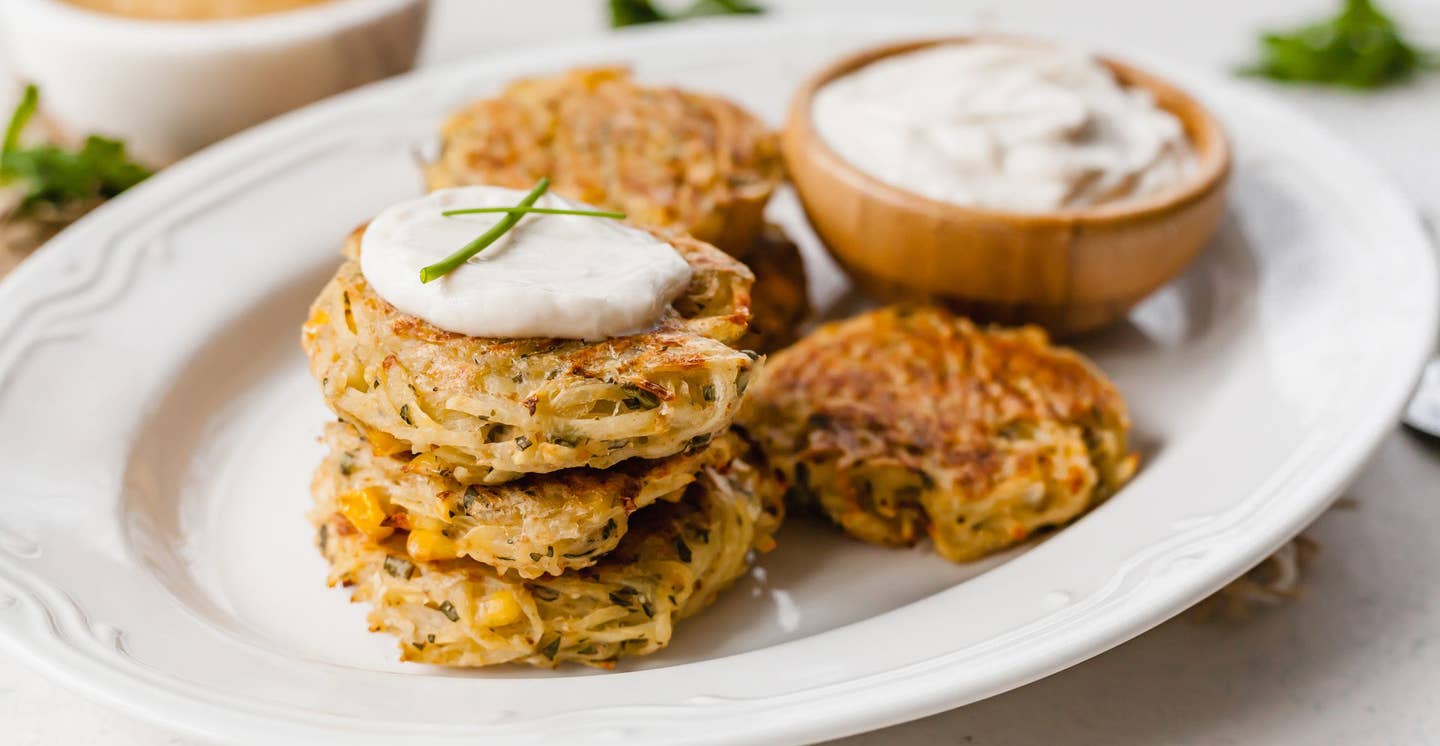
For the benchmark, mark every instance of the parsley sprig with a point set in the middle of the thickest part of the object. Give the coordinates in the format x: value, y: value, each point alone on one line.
x: 52, y: 175
x: 636, y: 12
x: 1359, y: 48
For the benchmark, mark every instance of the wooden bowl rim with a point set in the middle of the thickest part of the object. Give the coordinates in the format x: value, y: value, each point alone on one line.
x: 1212, y: 146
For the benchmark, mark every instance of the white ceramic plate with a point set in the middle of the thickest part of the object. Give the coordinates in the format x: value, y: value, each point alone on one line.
x: 157, y: 434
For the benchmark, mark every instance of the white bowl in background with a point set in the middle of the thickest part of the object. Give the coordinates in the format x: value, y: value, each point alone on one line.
x: 169, y: 88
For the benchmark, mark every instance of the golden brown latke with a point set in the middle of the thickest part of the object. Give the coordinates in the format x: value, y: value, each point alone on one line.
x: 494, y: 409
x: 686, y: 162
x: 779, y: 300
x: 675, y: 560
x: 902, y: 420
x: 536, y: 525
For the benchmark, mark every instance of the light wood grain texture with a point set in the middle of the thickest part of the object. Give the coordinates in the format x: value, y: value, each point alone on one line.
x: 1070, y: 271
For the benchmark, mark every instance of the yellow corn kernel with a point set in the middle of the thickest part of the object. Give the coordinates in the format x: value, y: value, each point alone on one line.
x: 363, y: 509
x: 384, y: 444
x: 318, y: 319
x: 424, y: 545
x: 499, y: 609
x: 427, y: 464
x: 321, y: 317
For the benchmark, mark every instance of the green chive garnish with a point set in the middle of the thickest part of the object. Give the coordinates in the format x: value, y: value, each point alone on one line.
x: 535, y: 211
x: 450, y: 263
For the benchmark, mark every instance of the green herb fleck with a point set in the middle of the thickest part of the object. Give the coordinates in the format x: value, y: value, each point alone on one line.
x: 543, y: 593
x: 1359, y: 48
x: 608, y: 529
x: 682, y: 549
x: 467, y: 500
x: 523, y: 443
x: 347, y: 463
x: 708, y: 392
x: 448, y: 609
x: 550, y: 650
x: 405, y: 414
x: 639, y: 398
x: 399, y: 567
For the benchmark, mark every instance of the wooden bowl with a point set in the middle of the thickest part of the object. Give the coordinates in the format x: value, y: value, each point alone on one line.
x: 1071, y: 271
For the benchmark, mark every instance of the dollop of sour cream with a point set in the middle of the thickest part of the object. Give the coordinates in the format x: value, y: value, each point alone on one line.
x: 565, y: 276
x: 1003, y: 125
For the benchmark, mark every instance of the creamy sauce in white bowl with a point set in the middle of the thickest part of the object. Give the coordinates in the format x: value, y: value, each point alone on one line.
x: 565, y: 276
x: 1003, y: 125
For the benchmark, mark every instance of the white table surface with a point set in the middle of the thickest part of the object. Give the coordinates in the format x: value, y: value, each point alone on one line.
x: 1356, y: 661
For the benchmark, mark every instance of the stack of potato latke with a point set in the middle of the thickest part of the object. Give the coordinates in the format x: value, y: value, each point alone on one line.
x: 537, y: 500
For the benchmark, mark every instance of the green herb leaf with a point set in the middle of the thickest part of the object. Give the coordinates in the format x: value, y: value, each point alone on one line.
x: 54, y: 175
x: 29, y: 102
x: 722, y: 8
x: 636, y: 12
x: 448, y: 609
x: 450, y: 263
x: 1359, y: 48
